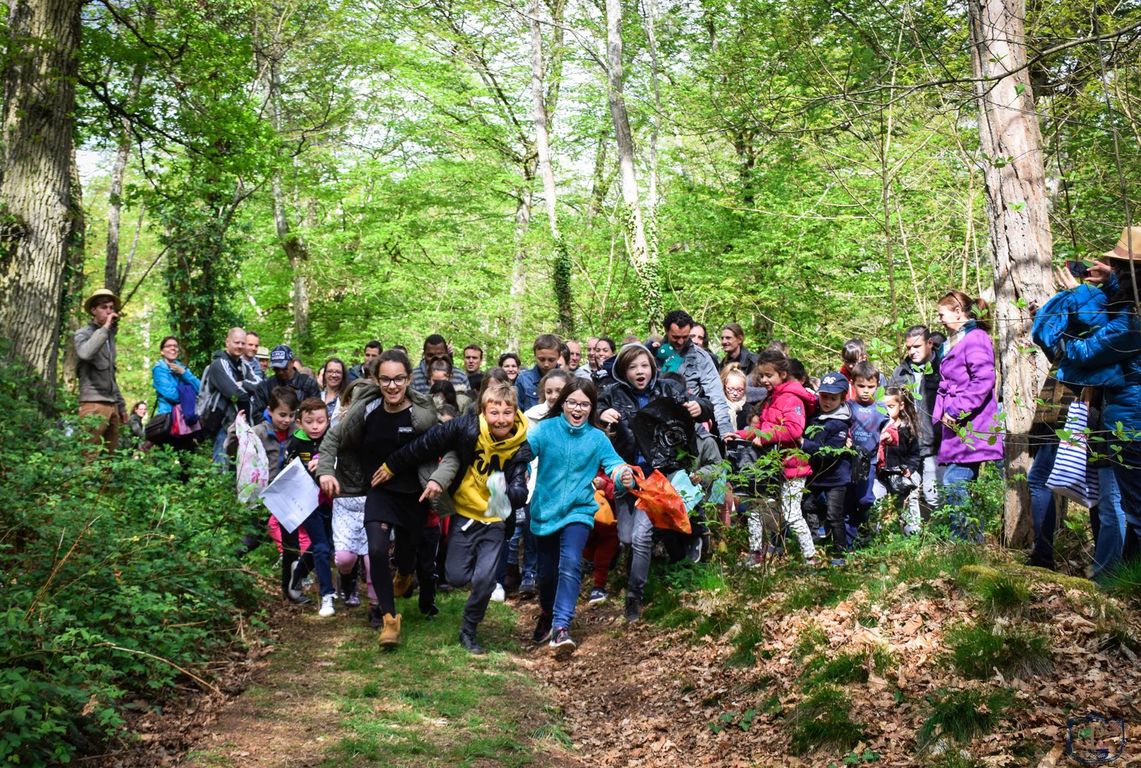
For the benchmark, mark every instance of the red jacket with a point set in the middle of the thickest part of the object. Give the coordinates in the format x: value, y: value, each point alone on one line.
x: 783, y: 415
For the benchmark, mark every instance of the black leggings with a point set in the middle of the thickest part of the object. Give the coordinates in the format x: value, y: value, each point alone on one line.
x: 378, y: 538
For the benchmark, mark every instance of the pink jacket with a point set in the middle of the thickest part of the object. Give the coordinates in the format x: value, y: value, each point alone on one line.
x: 783, y: 415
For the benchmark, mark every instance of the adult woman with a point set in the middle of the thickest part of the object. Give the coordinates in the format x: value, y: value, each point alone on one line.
x: 334, y: 382
x: 510, y: 362
x: 173, y: 382
x: 636, y: 385
x: 137, y: 421
x: 563, y: 505
x: 1114, y: 351
x: 965, y: 407
x: 385, y: 416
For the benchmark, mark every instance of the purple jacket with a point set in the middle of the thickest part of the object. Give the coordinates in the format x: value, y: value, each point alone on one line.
x: 966, y: 392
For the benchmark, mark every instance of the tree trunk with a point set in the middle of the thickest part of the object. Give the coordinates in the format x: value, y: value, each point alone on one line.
x: 562, y: 268
x: 641, y: 258
x: 519, y: 265
x: 71, y: 315
x: 35, y: 191
x: 1016, y: 207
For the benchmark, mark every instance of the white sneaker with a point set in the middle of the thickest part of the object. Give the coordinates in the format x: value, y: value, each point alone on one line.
x: 498, y: 595
x: 326, y: 606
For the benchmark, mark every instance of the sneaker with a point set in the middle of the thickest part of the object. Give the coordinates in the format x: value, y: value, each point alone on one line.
x: 353, y: 599
x: 910, y: 530
x: 633, y: 608
x: 839, y: 562
x: 468, y: 641
x: 300, y: 599
x: 528, y: 587
x: 693, y: 551
x: 327, y: 609
x: 498, y: 595
x: 562, y: 643
x: 810, y: 562
x: 374, y: 618
x: 597, y: 595
x: 542, y: 628
x: 296, y: 585
x: 755, y: 559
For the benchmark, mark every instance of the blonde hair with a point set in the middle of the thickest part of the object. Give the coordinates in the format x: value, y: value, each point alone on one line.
x: 497, y: 392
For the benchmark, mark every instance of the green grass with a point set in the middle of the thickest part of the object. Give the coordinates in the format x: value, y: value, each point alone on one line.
x: 844, y: 668
x: 1001, y: 592
x: 977, y: 650
x: 960, y: 715
x: 823, y: 719
x: 745, y: 644
x: 1125, y: 581
x: 827, y: 587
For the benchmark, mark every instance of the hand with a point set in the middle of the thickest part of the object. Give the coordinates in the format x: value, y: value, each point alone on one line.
x: 431, y: 490
x: 885, y: 437
x: 381, y: 476
x: 626, y: 478
x: 599, y: 483
x: 1064, y: 279
x: 610, y: 416
x: 848, y: 442
x: 731, y: 437
x: 948, y: 422
x: 329, y: 485
x: 693, y: 408
x: 1098, y: 272
x: 111, y: 320
x: 312, y: 465
x: 906, y: 472
x: 176, y: 369
x: 757, y: 441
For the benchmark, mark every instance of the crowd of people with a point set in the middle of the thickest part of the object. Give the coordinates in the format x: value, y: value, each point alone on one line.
x: 515, y: 480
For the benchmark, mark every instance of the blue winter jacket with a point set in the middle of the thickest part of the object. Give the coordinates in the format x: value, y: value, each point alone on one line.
x: 825, y: 441
x: 1075, y: 314
x: 166, y: 385
x: 1114, y: 347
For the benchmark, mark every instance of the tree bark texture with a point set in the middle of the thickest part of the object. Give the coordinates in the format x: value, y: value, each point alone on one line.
x: 36, y: 214
x: 561, y: 268
x: 1017, y: 209
x: 644, y: 262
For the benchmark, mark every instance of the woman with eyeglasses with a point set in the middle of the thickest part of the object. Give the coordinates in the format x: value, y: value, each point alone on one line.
x: 173, y: 382
x: 386, y: 415
x: 570, y: 450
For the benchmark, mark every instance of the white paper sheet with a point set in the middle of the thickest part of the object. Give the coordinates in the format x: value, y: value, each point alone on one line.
x: 292, y: 496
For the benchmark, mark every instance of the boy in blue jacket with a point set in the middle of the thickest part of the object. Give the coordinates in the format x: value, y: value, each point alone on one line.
x: 828, y: 445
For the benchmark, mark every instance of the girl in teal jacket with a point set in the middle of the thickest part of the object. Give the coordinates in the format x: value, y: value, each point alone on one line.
x: 570, y: 449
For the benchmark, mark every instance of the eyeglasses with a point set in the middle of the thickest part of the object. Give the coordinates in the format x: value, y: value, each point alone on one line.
x: 576, y: 405
x: 738, y: 390
x: 399, y: 381
x: 170, y: 345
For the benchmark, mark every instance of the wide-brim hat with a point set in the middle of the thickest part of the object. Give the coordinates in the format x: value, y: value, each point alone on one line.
x: 1128, y: 248
x: 101, y: 295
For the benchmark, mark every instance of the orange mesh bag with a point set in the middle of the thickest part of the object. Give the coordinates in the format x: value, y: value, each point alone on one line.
x: 661, y: 503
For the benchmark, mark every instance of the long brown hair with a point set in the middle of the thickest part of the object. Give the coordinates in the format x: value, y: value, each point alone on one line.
x: 976, y: 309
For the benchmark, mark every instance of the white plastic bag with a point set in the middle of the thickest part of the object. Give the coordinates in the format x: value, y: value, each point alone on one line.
x: 253, y: 464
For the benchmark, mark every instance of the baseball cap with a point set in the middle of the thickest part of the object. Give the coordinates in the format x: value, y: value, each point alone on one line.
x: 280, y: 356
x: 834, y: 383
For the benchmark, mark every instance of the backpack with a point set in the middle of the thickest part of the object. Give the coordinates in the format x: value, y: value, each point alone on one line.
x: 209, y: 405
x: 665, y: 435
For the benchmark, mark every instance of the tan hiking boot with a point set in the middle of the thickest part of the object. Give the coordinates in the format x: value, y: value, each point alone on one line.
x: 401, y: 583
x: 390, y: 632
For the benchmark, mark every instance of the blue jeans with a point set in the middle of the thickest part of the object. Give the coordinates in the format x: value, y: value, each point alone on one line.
x: 560, y: 571
x: 1042, y: 509
x: 957, y: 497
x: 1111, y: 531
x: 1128, y: 475
x: 219, y: 452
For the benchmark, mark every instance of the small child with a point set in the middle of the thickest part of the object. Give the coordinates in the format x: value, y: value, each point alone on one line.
x: 870, y: 430
x: 826, y: 441
x: 900, y: 472
x: 305, y: 444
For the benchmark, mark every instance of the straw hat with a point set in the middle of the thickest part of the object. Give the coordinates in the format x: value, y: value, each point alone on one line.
x: 105, y: 293
x: 1129, y: 236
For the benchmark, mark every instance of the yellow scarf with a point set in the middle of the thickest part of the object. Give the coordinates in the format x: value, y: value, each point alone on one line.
x: 490, y: 456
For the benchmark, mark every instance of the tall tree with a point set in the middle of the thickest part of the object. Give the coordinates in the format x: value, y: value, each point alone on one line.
x: 1018, y: 210
x: 36, y: 187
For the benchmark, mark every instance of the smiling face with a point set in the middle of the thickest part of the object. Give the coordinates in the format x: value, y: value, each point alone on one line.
x: 768, y: 376
x: 334, y: 375
x: 281, y: 417
x: 917, y: 348
x: 500, y: 419
x: 511, y: 367
x: 251, y: 345
x: 576, y: 408
x: 169, y: 350
x: 602, y: 351
x: 729, y: 342
x: 393, y: 380
x: 141, y: 410
x: 640, y: 372
x: 552, y: 389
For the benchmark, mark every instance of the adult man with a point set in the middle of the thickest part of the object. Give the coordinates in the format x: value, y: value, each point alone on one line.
x: 546, y: 349
x: 733, y: 345
x: 473, y: 361
x: 436, y: 346
x: 574, y: 360
x: 372, y: 350
x: 285, y: 374
x: 230, y: 387
x: 95, y: 347
x: 591, y: 358
x: 699, y: 369
x: 919, y: 372
x: 250, y: 356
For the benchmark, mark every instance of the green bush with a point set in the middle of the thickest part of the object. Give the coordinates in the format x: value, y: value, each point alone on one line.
x: 978, y: 650
x: 116, y: 573
x: 960, y: 715
x: 822, y: 718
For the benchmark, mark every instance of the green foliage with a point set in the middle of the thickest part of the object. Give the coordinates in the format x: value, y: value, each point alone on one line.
x: 962, y: 714
x: 1125, y: 581
x: 979, y: 649
x: 1001, y: 592
x: 845, y: 667
x: 822, y: 718
x: 116, y: 573
x: 825, y: 587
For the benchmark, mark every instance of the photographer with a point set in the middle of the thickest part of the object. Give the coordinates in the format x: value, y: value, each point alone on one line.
x: 95, y: 347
